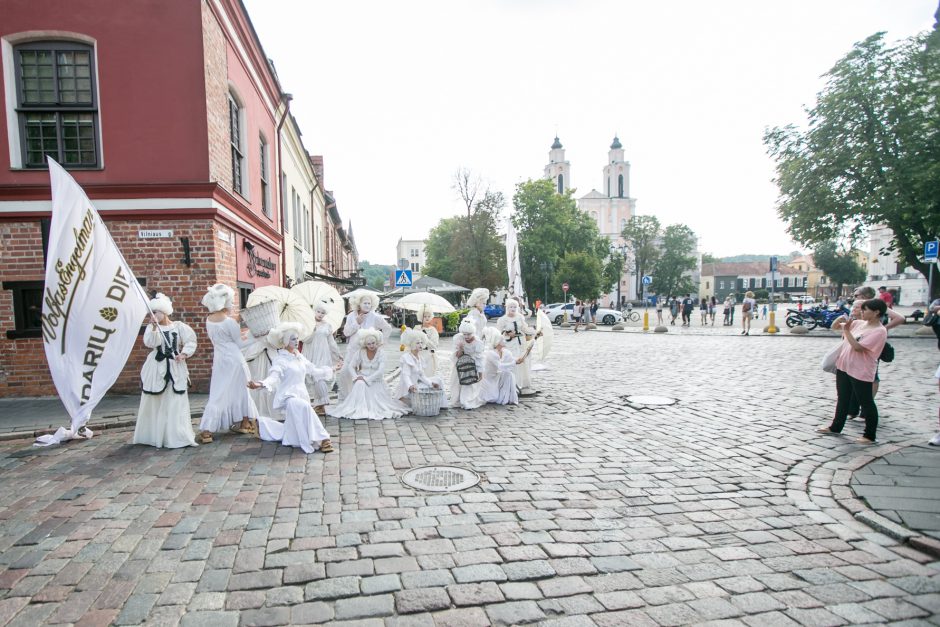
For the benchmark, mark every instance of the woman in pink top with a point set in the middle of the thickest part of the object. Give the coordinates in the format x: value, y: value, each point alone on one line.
x: 863, y: 341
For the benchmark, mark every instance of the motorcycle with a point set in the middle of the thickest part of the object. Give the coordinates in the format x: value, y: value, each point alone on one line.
x: 814, y: 316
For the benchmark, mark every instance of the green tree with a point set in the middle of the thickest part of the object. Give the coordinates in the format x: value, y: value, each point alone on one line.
x: 583, y: 273
x: 549, y: 227
x: 375, y: 274
x: 439, y: 258
x: 840, y: 266
x: 677, y: 258
x: 871, y: 152
x: 642, y: 234
x: 710, y: 258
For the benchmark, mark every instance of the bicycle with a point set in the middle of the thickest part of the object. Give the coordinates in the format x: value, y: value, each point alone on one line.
x: 630, y: 314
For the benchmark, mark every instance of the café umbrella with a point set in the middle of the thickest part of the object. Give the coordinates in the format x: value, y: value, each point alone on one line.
x: 292, y: 306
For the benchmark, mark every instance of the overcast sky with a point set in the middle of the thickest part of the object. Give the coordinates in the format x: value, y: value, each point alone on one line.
x: 398, y: 95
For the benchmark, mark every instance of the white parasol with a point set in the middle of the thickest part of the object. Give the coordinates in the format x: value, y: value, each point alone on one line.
x: 420, y: 300
x: 359, y: 292
x: 315, y: 292
x: 293, y: 308
x: 543, y: 345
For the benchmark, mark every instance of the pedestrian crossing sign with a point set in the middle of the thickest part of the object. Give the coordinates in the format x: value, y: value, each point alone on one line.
x: 402, y: 278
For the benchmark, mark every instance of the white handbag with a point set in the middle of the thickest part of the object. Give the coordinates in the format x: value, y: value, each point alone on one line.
x: 829, y: 359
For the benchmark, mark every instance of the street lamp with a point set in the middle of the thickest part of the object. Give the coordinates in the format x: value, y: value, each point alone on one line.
x: 620, y: 249
x: 546, y: 267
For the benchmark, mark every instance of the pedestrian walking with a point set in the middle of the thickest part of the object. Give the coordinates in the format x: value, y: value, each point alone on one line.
x: 863, y: 341
x: 712, y: 306
x: 748, y: 310
x: 576, y: 312
x: 659, y: 311
x: 703, y: 310
x: 727, y: 312
x: 687, y: 306
x: 673, y: 310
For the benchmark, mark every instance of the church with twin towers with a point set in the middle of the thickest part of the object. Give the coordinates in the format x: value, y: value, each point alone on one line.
x: 611, y: 207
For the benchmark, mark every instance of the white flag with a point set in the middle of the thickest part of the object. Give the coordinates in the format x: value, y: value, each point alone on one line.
x: 513, y: 265
x: 92, y: 306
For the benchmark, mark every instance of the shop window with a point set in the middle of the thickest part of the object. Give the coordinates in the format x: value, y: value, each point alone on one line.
x: 27, y: 308
x: 244, y: 291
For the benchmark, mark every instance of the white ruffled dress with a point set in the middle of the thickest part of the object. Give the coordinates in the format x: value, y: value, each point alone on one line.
x: 164, y: 419
x: 229, y: 400
x: 369, y: 398
x: 287, y: 381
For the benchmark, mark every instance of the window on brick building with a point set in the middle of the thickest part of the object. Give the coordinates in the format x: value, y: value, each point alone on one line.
x: 236, y: 141
x: 27, y: 308
x: 244, y: 291
x: 56, y: 104
x: 265, y: 175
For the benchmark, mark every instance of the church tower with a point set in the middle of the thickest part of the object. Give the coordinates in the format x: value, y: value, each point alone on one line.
x: 558, y: 170
x: 616, y: 172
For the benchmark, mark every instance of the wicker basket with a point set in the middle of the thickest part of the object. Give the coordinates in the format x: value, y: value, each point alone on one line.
x: 426, y: 401
x: 467, y: 370
x: 261, y: 318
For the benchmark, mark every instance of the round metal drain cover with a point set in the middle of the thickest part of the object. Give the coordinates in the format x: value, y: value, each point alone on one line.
x: 440, y: 478
x: 650, y: 400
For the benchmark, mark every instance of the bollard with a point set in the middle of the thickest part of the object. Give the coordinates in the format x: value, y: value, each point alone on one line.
x: 401, y: 347
x: 646, y: 321
x: 772, y: 328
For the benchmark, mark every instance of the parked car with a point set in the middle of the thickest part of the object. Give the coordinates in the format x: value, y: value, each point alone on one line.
x: 802, y: 298
x: 556, y: 313
x: 493, y: 311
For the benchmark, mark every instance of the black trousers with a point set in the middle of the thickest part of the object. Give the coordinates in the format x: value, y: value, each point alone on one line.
x: 846, y: 387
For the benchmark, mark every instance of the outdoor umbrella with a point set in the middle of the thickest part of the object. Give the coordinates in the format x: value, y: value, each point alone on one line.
x: 420, y: 300
x: 315, y: 292
x: 293, y: 308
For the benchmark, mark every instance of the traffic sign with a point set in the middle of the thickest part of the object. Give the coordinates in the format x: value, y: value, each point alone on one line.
x: 773, y: 264
x: 647, y: 280
x: 564, y: 287
x: 930, y: 250
x: 402, y: 278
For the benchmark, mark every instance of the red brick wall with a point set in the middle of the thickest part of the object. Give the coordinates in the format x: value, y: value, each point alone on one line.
x: 216, y: 73
x: 23, y: 369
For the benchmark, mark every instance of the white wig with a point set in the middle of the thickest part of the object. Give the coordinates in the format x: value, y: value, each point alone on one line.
x: 161, y: 302
x: 479, y: 295
x: 411, y: 338
x: 321, y: 306
x: 356, y: 299
x: 219, y: 296
x: 366, y: 334
x: 466, y: 326
x: 280, y: 335
x: 493, y: 337
x: 424, y: 311
x: 511, y: 300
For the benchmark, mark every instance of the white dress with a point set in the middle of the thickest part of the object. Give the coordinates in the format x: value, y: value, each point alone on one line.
x: 479, y: 321
x: 429, y: 361
x: 163, y: 419
x: 229, y: 400
x: 321, y: 350
x: 351, y: 329
x: 368, y: 398
x: 286, y: 379
x: 518, y: 345
x: 466, y: 396
x: 412, y: 373
x: 260, y: 355
x: 499, y: 383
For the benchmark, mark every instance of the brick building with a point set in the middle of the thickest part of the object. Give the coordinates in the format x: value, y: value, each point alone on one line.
x: 168, y: 115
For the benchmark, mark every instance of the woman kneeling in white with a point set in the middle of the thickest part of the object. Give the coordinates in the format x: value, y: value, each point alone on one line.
x: 286, y: 378
x: 499, y: 380
x: 467, y: 347
x: 368, y: 396
x: 163, y: 419
x: 412, y: 371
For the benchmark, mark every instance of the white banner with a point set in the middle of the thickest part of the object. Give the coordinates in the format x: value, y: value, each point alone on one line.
x: 92, y: 307
x: 513, y: 266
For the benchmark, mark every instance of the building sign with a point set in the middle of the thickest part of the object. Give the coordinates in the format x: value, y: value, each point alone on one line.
x: 154, y: 234
x: 259, y: 265
x: 255, y: 263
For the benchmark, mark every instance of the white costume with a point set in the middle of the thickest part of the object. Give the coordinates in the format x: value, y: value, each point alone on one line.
x: 466, y: 343
x: 321, y: 350
x: 368, y: 396
x: 363, y: 306
x: 428, y: 356
x: 163, y: 419
x: 229, y: 400
x: 412, y: 370
x: 260, y: 355
x: 499, y: 382
x: 477, y: 303
x: 517, y: 334
x: 286, y: 379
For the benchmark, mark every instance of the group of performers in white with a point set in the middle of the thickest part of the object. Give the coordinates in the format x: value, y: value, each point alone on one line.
x: 267, y: 386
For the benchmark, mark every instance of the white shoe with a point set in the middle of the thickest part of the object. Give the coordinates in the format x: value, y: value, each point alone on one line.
x: 935, y: 440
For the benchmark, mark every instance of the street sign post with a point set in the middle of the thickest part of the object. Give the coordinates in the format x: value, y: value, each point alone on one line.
x: 403, y: 278
x: 930, y: 254
x: 772, y: 328
x: 564, y: 288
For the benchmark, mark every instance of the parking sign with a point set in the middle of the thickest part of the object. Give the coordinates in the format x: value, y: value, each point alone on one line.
x: 930, y: 250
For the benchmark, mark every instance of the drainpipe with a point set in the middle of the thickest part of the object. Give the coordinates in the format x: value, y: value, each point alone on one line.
x: 313, y: 231
x: 285, y: 98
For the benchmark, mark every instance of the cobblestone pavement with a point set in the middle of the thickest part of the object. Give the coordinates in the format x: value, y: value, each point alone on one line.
x: 723, y: 508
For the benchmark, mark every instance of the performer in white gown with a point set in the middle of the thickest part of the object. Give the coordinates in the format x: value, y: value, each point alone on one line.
x: 286, y: 379
x: 361, y: 316
x: 499, y: 382
x: 412, y: 372
x: 321, y: 350
x: 368, y: 396
x: 229, y: 406
x: 163, y: 419
x: 518, y: 334
x: 428, y: 356
x: 260, y: 355
x: 477, y: 303
x: 466, y: 343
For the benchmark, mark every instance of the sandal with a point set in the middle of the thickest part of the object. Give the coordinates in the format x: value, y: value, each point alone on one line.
x: 241, y: 430
x: 326, y: 446
x: 204, y: 438
x: 319, y: 410
x: 827, y: 430
x: 864, y: 440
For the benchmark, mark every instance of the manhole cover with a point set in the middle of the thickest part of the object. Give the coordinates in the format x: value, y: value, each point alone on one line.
x: 647, y: 401
x: 440, y: 478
